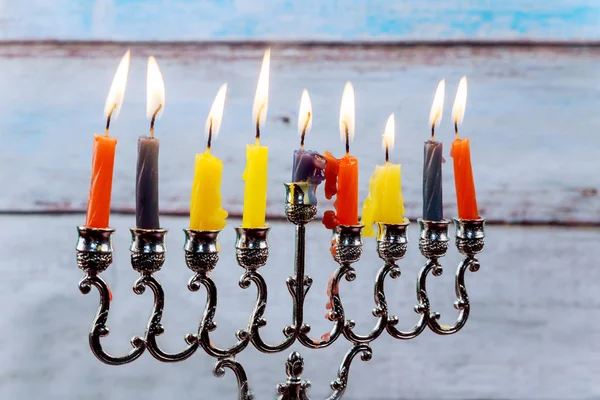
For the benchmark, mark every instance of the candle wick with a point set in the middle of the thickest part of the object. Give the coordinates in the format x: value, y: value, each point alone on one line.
x: 432, y: 132
x: 209, y: 134
x: 387, y: 153
x: 456, y: 129
x: 154, y: 119
x: 108, y: 118
x: 308, y: 117
x: 258, y: 122
x: 347, y: 137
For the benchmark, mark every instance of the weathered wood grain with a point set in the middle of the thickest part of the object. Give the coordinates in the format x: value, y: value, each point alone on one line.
x: 345, y: 20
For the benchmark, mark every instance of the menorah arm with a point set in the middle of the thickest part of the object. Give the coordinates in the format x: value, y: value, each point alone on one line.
x: 99, y: 328
x: 208, y: 324
x: 381, y: 308
x: 423, y: 306
x: 155, y: 327
x: 340, y: 385
x: 257, y: 319
x: 462, y: 300
x: 336, y: 310
x: 240, y: 374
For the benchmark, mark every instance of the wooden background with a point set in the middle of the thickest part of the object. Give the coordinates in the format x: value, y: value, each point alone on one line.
x: 532, y: 116
x: 345, y: 20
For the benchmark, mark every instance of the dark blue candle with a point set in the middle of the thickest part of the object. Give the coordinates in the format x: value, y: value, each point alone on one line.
x: 308, y: 166
x: 432, y: 182
x: 146, y: 187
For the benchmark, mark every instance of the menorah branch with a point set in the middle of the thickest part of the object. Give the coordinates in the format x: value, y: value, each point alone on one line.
x: 240, y: 374
x: 155, y: 327
x: 94, y: 255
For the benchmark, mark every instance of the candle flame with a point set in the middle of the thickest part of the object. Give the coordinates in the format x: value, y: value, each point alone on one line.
x: 347, y: 113
x: 213, y: 122
x: 460, y: 102
x: 305, y: 113
x: 114, y: 100
x: 437, y: 108
x: 261, y: 98
x: 155, y: 90
x: 389, y: 135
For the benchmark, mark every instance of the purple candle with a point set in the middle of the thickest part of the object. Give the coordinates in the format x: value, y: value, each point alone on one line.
x: 308, y: 165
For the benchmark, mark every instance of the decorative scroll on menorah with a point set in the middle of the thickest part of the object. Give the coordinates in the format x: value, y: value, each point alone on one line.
x: 94, y: 255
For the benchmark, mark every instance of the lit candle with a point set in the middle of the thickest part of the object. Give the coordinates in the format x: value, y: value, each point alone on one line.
x: 103, y: 158
x: 384, y: 202
x: 206, y: 213
x: 461, y: 154
x: 146, y: 188
x: 308, y: 165
x: 343, y: 170
x: 257, y: 156
x: 432, y: 165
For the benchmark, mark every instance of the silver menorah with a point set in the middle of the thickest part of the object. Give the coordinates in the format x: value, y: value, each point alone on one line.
x: 148, y: 251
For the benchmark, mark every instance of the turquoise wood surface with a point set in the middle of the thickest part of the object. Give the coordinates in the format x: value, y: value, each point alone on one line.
x: 345, y: 20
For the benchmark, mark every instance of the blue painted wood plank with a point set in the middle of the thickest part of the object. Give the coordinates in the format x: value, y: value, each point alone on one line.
x: 346, y: 20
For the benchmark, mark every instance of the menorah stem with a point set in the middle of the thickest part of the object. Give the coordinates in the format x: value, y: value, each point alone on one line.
x: 301, y: 283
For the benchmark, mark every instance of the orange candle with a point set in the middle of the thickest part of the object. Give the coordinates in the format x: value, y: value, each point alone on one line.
x: 98, y: 208
x: 331, y: 172
x: 103, y: 158
x: 346, y: 205
x: 463, y: 179
x: 461, y: 155
x: 341, y: 175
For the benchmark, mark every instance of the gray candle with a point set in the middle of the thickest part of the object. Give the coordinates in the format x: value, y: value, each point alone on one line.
x: 432, y: 182
x: 146, y: 184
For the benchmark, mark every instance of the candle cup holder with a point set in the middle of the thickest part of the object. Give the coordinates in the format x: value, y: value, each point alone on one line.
x: 252, y: 247
x: 433, y: 241
x: 94, y: 255
x: 300, y: 202
x: 94, y: 249
x: 392, y: 242
x: 347, y: 243
x: 147, y: 249
x: 201, y: 249
x: 470, y: 235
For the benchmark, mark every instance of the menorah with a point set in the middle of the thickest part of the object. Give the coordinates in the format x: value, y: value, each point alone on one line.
x: 148, y: 251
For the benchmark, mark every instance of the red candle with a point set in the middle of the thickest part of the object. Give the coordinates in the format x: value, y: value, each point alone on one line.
x: 103, y: 158
x: 461, y: 154
x: 341, y: 175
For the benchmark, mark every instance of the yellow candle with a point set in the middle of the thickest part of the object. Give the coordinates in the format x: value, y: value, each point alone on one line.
x: 255, y: 191
x: 384, y: 202
x: 206, y: 213
x: 257, y: 156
